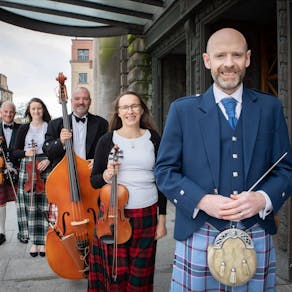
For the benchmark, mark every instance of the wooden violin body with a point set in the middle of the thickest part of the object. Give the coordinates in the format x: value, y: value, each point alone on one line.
x: 2, y: 165
x: 110, y: 217
x: 34, y: 181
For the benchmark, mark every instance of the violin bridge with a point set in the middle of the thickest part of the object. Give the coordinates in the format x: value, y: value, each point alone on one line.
x: 76, y: 223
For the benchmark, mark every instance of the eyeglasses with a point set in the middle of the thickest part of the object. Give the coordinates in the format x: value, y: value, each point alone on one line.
x: 133, y: 107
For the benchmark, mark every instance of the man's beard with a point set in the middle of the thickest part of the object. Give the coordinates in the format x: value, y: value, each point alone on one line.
x: 229, y: 84
x: 81, y: 110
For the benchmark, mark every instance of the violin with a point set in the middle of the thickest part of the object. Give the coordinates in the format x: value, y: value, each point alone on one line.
x: 68, y: 241
x: 2, y: 164
x: 5, y: 173
x: 34, y: 180
x: 113, y: 227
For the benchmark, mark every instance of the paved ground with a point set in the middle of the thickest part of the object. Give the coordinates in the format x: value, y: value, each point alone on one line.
x: 20, y: 272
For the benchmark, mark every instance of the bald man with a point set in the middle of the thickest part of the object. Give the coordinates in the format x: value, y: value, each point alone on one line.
x: 214, y: 147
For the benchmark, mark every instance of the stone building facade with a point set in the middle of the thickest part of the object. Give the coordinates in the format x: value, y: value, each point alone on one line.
x: 5, y: 93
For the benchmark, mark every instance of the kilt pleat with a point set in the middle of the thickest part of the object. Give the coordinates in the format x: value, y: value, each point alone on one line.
x: 136, y: 257
x: 32, y: 224
x: 6, y: 193
x: 190, y: 267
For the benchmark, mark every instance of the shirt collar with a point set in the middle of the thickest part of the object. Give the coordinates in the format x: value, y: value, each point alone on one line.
x: 219, y: 94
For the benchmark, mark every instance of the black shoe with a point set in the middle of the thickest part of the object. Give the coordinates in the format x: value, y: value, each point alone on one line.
x: 21, y: 239
x: 33, y: 254
x: 2, y: 238
x: 42, y: 254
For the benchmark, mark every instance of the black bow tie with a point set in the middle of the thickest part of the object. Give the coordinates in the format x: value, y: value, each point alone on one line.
x: 8, y: 126
x: 80, y: 119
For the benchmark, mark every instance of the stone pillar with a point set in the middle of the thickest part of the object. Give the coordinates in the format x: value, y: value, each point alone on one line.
x: 124, y: 63
x: 139, y: 68
x: 106, y: 74
x: 283, y: 239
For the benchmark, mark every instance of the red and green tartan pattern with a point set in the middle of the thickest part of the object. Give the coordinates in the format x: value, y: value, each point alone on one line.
x: 6, y: 194
x: 136, y: 257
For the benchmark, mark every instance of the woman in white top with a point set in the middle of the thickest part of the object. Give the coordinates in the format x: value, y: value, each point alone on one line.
x: 131, y: 129
x: 31, y: 200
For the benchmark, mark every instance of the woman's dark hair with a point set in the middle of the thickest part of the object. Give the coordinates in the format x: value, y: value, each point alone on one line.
x: 146, y: 121
x: 46, y: 115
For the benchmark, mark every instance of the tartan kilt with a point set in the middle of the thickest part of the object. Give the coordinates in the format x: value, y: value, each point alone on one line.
x: 191, y: 272
x: 32, y: 223
x: 6, y: 193
x: 136, y: 257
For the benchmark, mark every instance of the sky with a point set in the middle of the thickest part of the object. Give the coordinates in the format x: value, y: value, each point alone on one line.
x: 31, y: 62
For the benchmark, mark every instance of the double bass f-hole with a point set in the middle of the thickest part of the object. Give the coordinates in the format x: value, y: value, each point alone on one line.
x: 113, y: 227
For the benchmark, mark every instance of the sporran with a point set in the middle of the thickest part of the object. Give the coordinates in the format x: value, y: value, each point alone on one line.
x: 232, y: 259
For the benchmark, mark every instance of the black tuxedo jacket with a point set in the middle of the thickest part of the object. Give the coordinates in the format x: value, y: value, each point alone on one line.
x: 9, y: 148
x: 53, y: 148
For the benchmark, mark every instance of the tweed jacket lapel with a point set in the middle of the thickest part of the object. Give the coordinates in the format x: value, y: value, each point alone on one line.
x: 251, y: 115
x: 209, y: 124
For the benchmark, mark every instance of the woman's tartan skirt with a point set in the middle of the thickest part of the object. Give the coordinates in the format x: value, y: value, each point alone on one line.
x: 191, y: 272
x: 135, y: 258
x: 32, y: 223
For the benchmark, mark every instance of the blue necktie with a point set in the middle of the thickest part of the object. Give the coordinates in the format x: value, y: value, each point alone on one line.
x: 230, y: 103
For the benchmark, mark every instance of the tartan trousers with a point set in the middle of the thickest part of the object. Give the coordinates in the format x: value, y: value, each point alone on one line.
x: 191, y: 272
x: 32, y: 223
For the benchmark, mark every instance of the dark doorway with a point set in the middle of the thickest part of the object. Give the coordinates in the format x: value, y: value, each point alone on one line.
x: 173, y: 69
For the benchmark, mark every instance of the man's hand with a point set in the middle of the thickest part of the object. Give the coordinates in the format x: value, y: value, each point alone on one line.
x: 65, y: 135
x: 235, y: 208
x: 213, y: 205
x: 243, y: 205
x: 90, y: 163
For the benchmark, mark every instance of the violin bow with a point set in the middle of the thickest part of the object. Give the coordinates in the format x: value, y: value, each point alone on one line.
x: 33, y: 144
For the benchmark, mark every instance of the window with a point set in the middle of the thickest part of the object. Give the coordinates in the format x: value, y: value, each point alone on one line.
x: 82, y: 77
x: 82, y: 55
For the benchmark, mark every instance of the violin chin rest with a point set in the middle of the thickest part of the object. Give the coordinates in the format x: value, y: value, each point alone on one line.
x: 107, y: 239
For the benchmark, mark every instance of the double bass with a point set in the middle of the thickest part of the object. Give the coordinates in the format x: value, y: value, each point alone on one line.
x: 68, y: 186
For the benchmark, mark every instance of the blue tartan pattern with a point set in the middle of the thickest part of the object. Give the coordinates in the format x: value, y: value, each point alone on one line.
x: 31, y: 221
x: 191, y: 272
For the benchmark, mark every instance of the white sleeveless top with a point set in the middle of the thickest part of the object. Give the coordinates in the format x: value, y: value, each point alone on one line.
x: 136, y: 170
x: 37, y: 134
